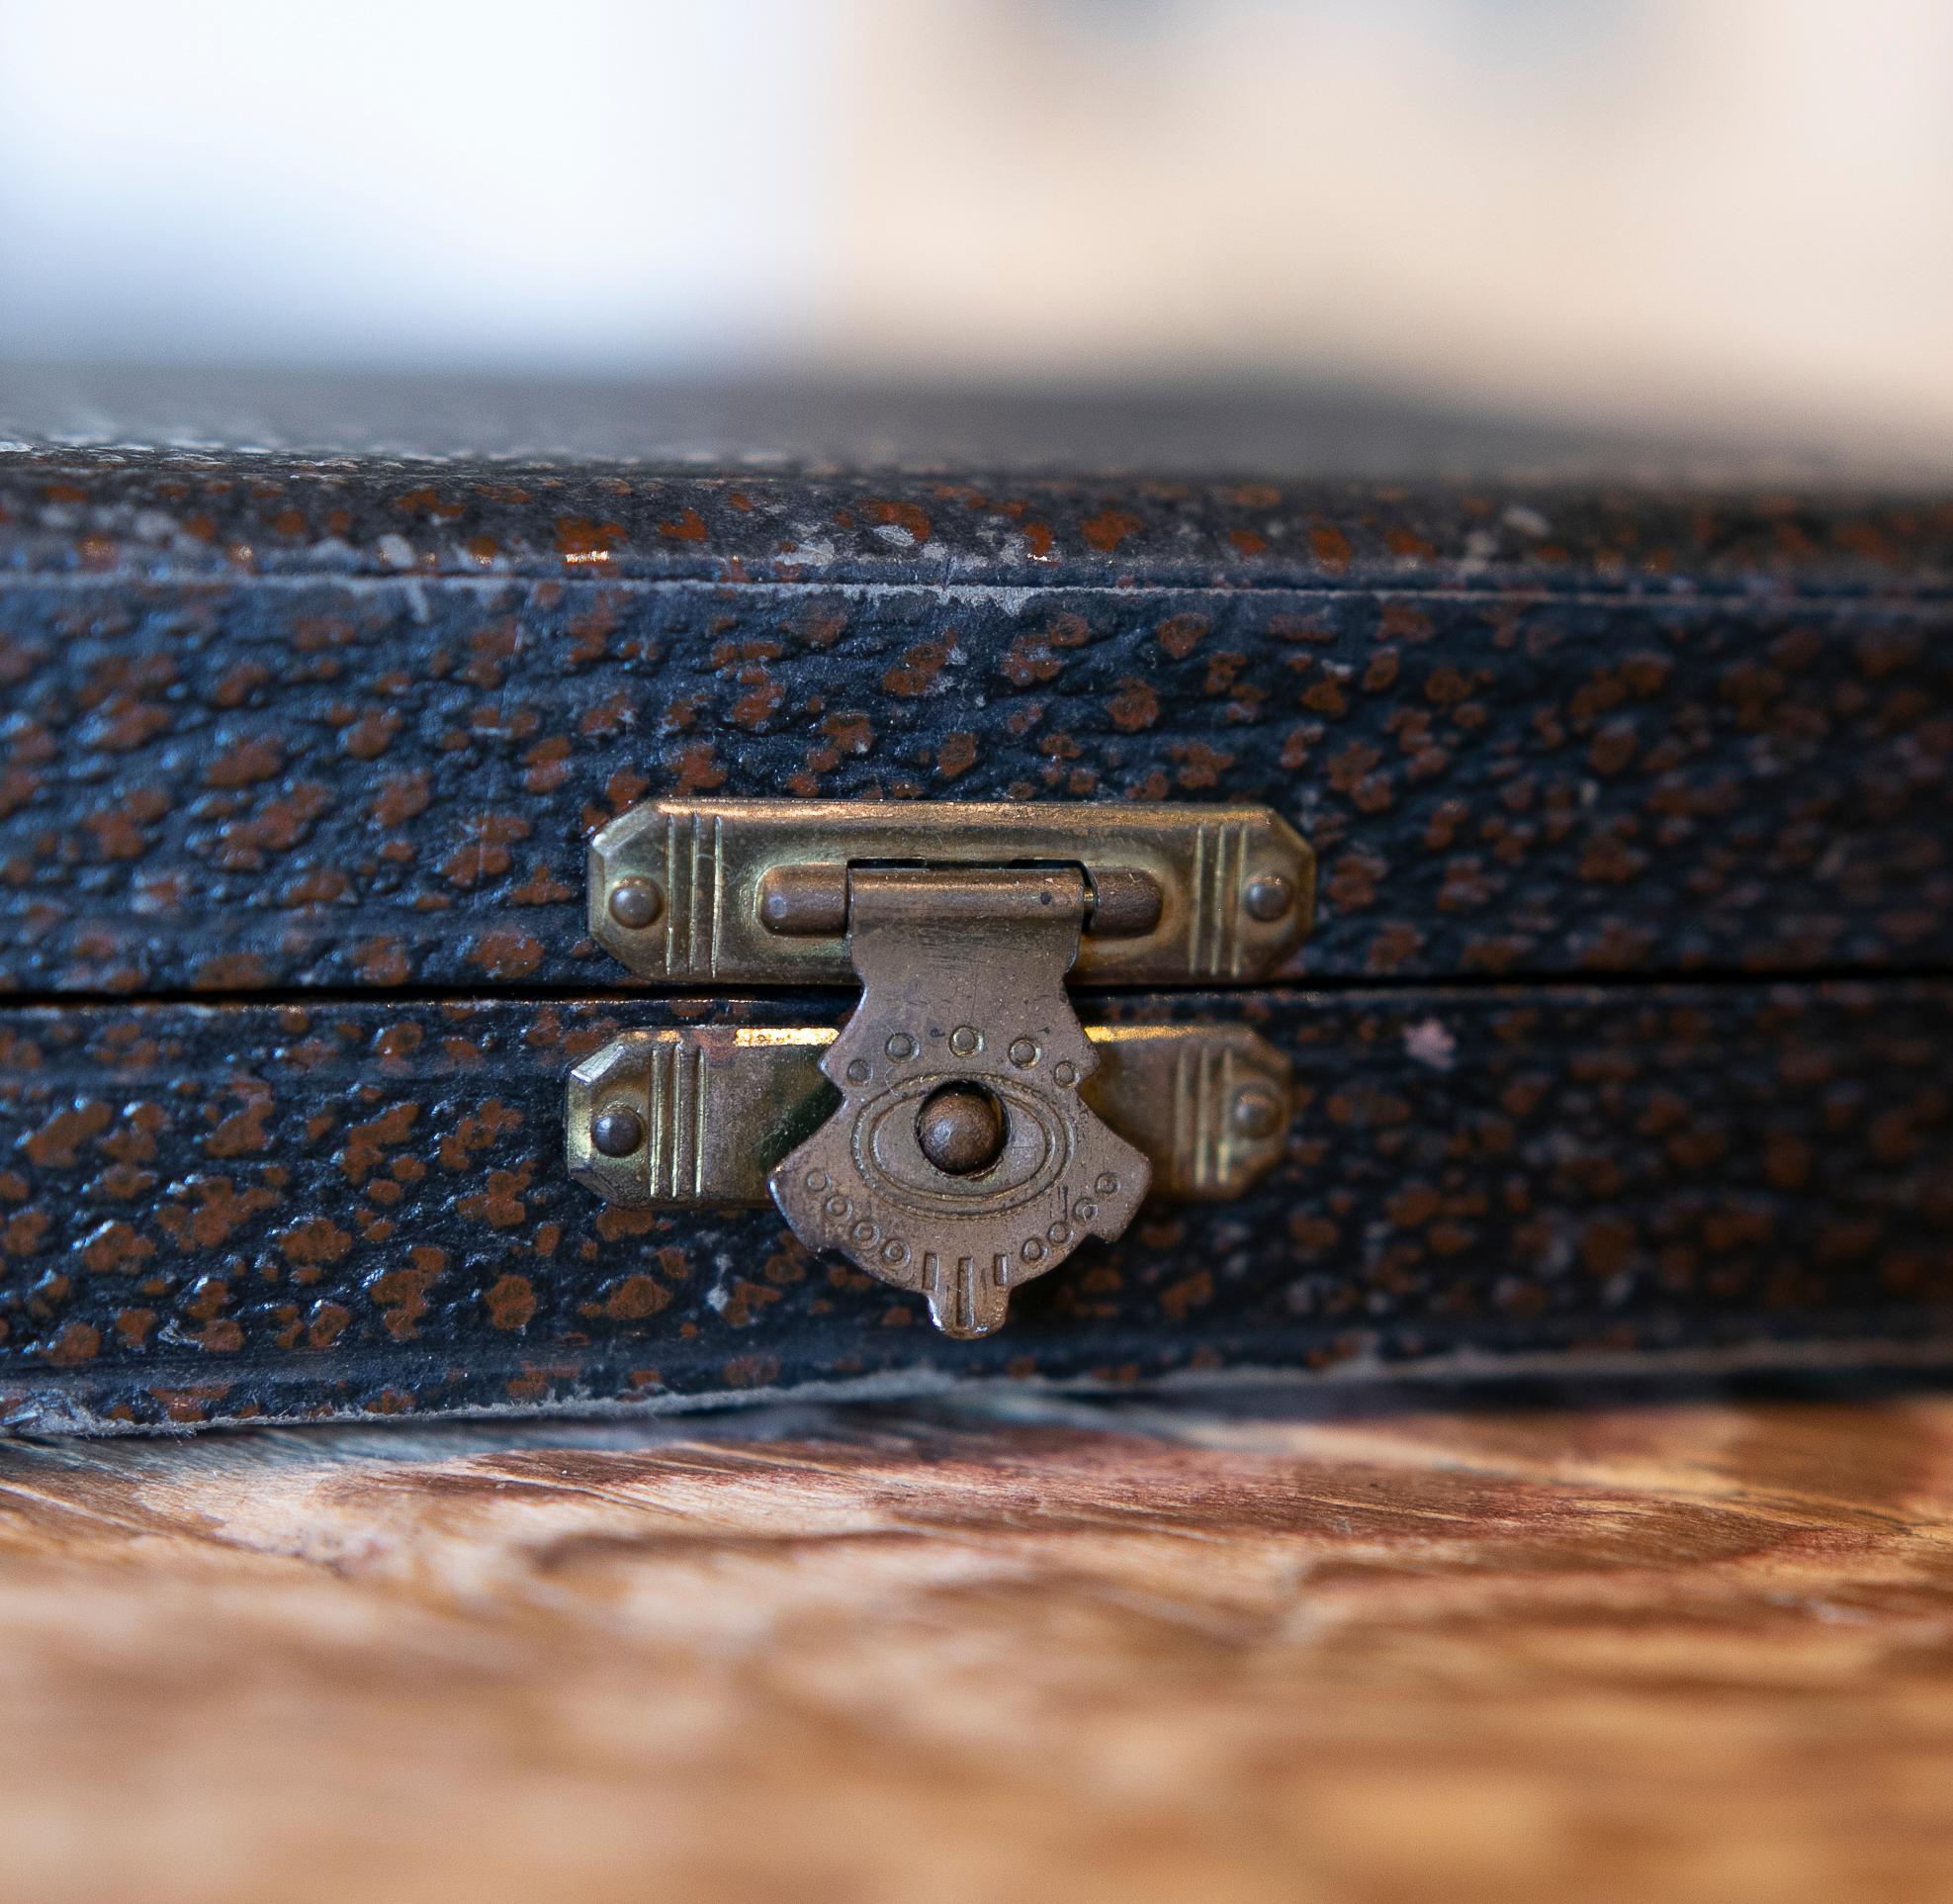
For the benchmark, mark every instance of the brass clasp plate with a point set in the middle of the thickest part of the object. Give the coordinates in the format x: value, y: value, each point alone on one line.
x: 980, y: 1132
x: 753, y: 892
x: 715, y: 1106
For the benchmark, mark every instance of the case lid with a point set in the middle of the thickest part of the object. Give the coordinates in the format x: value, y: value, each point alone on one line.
x: 317, y: 685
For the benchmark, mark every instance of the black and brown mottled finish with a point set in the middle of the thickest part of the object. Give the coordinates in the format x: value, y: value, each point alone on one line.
x: 326, y: 737
x: 221, y: 514
x: 278, y: 723
x: 212, y: 1213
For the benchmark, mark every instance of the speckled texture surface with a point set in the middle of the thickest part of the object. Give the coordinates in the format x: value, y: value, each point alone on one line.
x: 325, y: 738
x: 212, y: 1213
x: 286, y: 724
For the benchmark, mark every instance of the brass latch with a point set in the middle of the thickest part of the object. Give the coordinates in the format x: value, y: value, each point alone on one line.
x: 982, y: 1133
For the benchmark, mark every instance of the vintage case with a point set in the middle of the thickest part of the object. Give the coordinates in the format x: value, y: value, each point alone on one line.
x: 1618, y: 1037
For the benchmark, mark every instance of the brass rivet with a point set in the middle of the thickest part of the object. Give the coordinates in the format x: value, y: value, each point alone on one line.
x: 616, y: 1133
x: 1024, y: 1052
x: 635, y: 903
x: 960, y: 1130
x: 1269, y: 897
x: 966, y: 1040
x: 1256, y: 1112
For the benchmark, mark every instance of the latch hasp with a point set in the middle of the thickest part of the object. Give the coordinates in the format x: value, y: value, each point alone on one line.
x: 966, y: 1155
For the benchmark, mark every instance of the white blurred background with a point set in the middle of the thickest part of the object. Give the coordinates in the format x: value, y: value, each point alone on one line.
x: 1719, y: 213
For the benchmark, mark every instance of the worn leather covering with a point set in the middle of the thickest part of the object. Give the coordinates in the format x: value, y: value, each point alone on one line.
x: 322, y: 736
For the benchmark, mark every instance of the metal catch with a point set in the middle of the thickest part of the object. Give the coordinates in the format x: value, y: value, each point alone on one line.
x: 981, y: 1132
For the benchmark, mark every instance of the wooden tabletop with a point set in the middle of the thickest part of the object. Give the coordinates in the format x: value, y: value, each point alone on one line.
x: 1371, y: 1646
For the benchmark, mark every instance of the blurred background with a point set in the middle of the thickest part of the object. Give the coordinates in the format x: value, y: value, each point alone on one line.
x: 1726, y: 214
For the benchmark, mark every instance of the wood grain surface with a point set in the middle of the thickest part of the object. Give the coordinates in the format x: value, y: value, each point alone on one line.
x: 1382, y: 1647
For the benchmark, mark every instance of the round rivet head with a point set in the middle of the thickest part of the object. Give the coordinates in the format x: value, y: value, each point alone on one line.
x: 616, y: 1133
x: 635, y: 903
x: 1269, y: 897
x: 1024, y: 1052
x: 966, y: 1040
x: 960, y: 1130
x: 900, y: 1045
x: 1256, y: 1112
